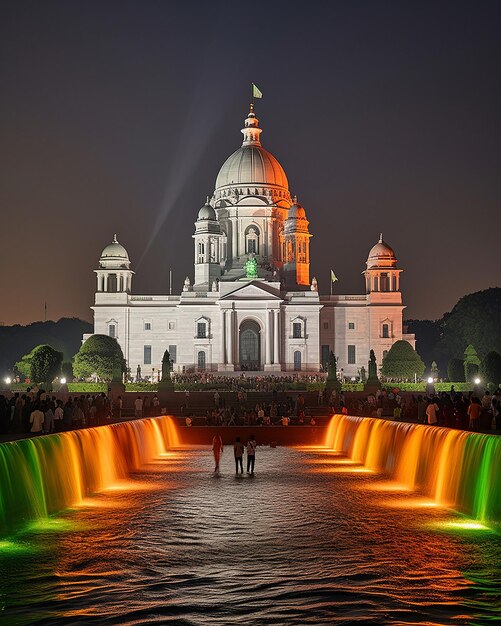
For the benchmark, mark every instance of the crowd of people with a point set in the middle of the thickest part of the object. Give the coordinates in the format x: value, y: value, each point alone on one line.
x: 243, y: 382
x: 275, y: 412
x: 453, y: 409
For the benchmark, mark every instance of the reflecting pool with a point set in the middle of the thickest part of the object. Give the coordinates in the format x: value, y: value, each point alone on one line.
x: 312, y: 538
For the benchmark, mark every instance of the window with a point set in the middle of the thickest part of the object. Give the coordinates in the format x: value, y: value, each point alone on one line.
x: 351, y: 355
x: 296, y: 330
x: 351, y: 325
x: 252, y: 241
x: 112, y: 331
x: 386, y: 331
x: 147, y: 326
x: 201, y: 330
x: 325, y: 356
x: 172, y: 325
x: 201, y: 360
x: 173, y: 353
x: 326, y: 325
x: 147, y: 355
x: 297, y: 361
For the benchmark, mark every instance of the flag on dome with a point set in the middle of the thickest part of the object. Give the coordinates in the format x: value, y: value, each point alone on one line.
x: 256, y: 92
x: 333, y: 276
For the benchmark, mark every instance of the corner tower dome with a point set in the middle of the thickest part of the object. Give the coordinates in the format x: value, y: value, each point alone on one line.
x: 251, y: 164
x: 381, y: 255
x: 114, y: 256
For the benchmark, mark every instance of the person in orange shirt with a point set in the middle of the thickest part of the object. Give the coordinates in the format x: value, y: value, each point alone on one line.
x: 474, y: 411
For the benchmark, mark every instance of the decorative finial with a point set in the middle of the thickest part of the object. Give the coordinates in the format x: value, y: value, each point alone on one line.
x: 380, y: 237
x: 208, y: 200
x: 294, y: 199
x: 251, y: 107
x: 115, y: 240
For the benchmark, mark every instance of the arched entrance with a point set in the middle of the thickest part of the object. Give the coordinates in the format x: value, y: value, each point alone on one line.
x: 250, y: 346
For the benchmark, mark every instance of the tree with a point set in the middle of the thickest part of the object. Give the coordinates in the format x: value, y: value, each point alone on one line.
x: 24, y: 365
x: 402, y: 361
x: 471, y: 363
x: 474, y: 320
x: 490, y: 368
x: 100, y: 355
x: 45, y: 364
x: 455, y: 371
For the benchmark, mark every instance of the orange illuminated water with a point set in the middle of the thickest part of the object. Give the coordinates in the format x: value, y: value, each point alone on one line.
x: 310, y: 539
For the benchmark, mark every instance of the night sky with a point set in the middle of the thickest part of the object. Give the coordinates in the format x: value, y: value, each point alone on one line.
x: 116, y: 117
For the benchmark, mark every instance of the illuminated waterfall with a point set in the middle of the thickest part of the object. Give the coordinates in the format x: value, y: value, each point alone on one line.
x: 43, y: 475
x: 458, y: 469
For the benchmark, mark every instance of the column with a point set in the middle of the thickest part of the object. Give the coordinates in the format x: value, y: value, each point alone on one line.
x: 222, y: 357
x: 267, y: 331
x: 276, y: 337
x: 234, y: 236
x: 229, y: 329
x: 105, y: 285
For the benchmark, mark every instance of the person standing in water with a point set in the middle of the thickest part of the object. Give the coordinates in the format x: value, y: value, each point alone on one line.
x: 251, y: 454
x: 238, y: 450
x: 217, y: 449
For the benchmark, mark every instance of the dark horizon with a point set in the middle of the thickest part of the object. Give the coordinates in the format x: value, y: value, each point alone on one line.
x: 116, y: 117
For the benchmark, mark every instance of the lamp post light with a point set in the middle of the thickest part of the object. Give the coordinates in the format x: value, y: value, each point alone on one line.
x: 63, y: 381
x: 430, y: 380
x: 477, y: 381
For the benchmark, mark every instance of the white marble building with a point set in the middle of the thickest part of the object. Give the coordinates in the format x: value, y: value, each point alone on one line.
x: 229, y: 319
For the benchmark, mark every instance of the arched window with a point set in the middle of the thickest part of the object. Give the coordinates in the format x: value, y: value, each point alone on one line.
x: 201, y: 360
x: 252, y: 240
x: 112, y: 330
x: 297, y: 361
x: 386, y: 331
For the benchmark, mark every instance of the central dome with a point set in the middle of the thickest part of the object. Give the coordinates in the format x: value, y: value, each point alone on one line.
x: 251, y: 165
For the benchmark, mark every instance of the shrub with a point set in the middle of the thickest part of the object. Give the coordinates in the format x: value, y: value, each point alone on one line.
x: 455, y: 370
x: 45, y: 364
x: 100, y: 355
x: 471, y: 363
x: 402, y: 361
x: 490, y: 368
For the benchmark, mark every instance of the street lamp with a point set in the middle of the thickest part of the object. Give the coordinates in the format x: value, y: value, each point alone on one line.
x: 8, y: 381
x: 477, y: 381
x: 430, y: 380
x: 63, y: 381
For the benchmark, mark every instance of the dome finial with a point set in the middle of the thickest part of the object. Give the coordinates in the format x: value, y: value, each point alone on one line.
x: 251, y: 131
x: 115, y: 240
x: 294, y: 199
x: 380, y: 237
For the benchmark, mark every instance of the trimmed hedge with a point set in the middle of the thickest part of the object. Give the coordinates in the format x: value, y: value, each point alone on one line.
x: 421, y: 387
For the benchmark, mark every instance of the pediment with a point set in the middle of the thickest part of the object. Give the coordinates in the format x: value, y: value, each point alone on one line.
x: 254, y: 290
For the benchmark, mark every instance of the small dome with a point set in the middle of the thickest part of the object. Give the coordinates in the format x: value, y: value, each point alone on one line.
x: 114, y: 251
x: 381, y: 255
x: 296, y: 211
x: 207, y: 212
